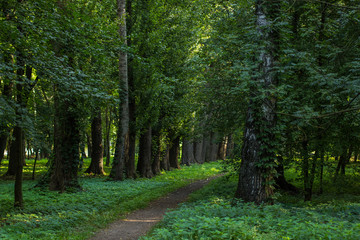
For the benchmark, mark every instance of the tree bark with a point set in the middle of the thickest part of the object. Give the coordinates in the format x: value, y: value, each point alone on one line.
x: 107, y: 136
x: 199, y: 152
x: 96, y: 165
x: 130, y: 163
x: 156, y: 151
x: 164, y: 164
x: 187, y: 156
x: 18, y: 155
x: 63, y: 176
x: 123, y: 123
x: 221, y: 154
x: 258, y: 153
x: 174, y: 153
x: 214, y: 146
x: 207, y: 148
x: 321, y: 190
x: 144, y: 162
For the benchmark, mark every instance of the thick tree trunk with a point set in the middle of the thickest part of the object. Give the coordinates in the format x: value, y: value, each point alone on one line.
x: 123, y: 126
x: 258, y: 155
x: 174, y: 153
x: 144, y: 162
x: 165, y: 164
x: 156, y: 151
x: 214, y: 146
x: 130, y: 161
x: 221, y: 154
x: 18, y: 155
x: 66, y: 145
x: 199, y: 152
x: 207, y: 148
x: 107, y: 137
x: 96, y: 165
x: 187, y: 156
x: 321, y: 190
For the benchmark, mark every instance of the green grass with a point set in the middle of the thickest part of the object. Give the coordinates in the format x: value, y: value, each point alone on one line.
x: 212, y: 213
x: 50, y: 215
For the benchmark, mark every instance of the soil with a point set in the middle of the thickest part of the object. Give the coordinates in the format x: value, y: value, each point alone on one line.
x: 139, y: 222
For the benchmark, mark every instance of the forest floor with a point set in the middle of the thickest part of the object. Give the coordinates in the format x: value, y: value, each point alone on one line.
x: 139, y: 222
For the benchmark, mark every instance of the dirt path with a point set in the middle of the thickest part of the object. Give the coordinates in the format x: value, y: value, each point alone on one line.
x: 139, y: 222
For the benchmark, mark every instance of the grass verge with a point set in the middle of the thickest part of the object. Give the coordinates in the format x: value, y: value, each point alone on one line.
x: 212, y: 213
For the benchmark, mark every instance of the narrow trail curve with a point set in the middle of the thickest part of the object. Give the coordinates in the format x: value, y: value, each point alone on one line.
x: 139, y: 222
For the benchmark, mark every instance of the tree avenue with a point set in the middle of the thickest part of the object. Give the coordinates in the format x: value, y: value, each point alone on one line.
x: 150, y: 86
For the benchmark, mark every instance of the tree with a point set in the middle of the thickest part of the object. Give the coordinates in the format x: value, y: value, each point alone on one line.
x: 96, y: 165
x: 258, y: 153
x: 123, y: 122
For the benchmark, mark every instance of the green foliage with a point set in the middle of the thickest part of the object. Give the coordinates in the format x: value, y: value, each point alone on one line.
x: 213, y: 214
x: 50, y: 215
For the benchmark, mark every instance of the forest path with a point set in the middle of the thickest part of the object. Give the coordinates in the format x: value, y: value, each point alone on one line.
x: 139, y: 222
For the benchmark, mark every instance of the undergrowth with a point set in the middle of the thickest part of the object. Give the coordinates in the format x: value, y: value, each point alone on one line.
x: 50, y: 215
x: 212, y: 213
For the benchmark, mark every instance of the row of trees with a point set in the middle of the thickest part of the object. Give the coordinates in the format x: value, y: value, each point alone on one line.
x: 117, y: 73
x: 280, y: 79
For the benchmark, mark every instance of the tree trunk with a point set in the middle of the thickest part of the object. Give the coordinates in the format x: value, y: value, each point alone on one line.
x: 107, y: 137
x: 199, y: 152
x: 123, y: 123
x: 214, y: 146
x: 321, y: 190
x: 96, y: 165
x: 144, y: 162
x: 156, y: 151
x: 130, y: 163
x: 230, y: 147
x: 221, y: 154
x: 165, y: 164
x: 18, y: 155
x: 207, y: 148
x: 174, y: 153
x: 63, y: 176
x: 306, y: 165
x: 187, y: 156
x: 34, y: 167
x: 258, y: 153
